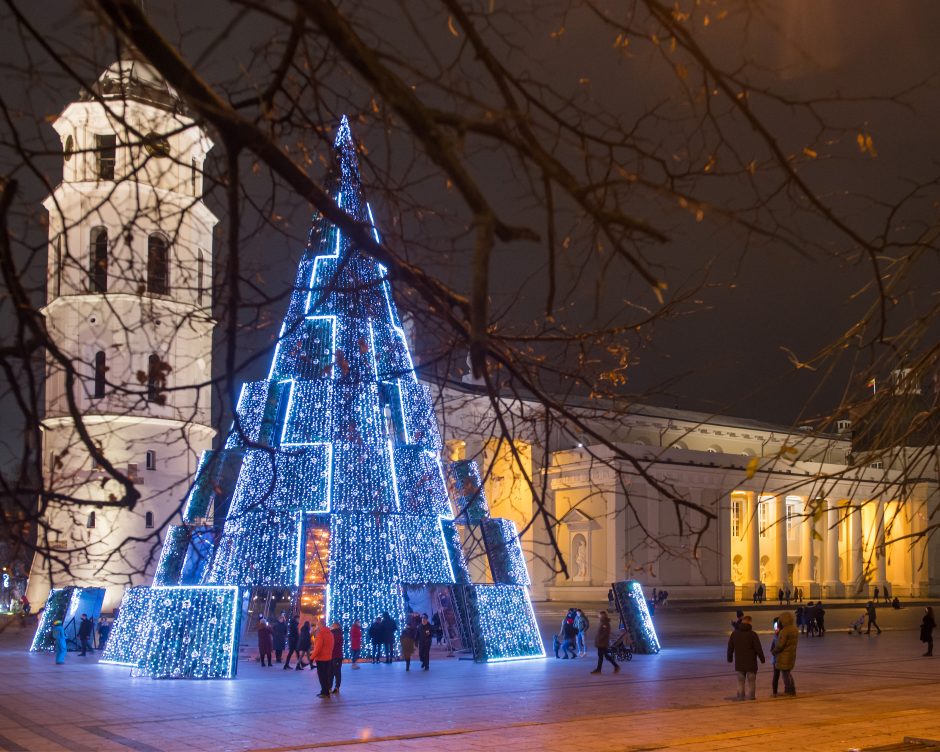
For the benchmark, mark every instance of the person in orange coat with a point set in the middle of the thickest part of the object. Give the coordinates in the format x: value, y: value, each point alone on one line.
x: 322, y: 653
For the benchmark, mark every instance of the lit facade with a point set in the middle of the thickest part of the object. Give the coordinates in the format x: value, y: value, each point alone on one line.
x: 129, y: 307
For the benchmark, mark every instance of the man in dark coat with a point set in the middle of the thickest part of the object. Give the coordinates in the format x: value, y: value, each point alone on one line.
x: 743, y: 650
x: 280, y: 636
x: 425, y: 635
x: 85, y: 629
x: 293, y: 636
x: 872, y: 617
x: 389, y: 630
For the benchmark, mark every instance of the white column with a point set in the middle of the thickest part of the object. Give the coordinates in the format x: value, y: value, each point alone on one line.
x: 857, y: 585
x: 751, y: 544
x: 832, y: 585
x: 616, y: 530
x: 881, y: 569
x: 807, y: 561
x: 781, y: 574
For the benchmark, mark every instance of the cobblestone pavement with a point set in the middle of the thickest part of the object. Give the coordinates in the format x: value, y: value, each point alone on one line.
x: 853, y: 692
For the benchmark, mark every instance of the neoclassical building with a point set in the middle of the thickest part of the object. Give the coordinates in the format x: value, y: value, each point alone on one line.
x: 708, y: 506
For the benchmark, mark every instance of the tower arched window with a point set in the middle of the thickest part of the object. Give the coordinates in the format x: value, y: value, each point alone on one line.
x: 200, y: 274
x: 148, y: 520
x: 158, y: 265
x: 156, y: 378
x: 101, y: 369
x: 98, y: 260
x: 91, y: 521
x: 57, y: 272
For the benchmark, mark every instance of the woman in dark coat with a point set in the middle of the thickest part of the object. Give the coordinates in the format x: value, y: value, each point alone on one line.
x: 926, y: 629
x: 303, y: 647
x: 265, y: 641
x: 602, y: 643
x: 280, y: 637
x: 293, y: 638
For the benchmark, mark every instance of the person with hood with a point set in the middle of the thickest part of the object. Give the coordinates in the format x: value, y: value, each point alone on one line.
x: 58, y: 639
x: 744, y: 649
x: 409, y: 636
x: 927, y: 626
x: 265, y: 641
x: 336, y: 630
x: 425, y: 634
x: 784, y: 651
x: 739, y: 614
x: 323, y: 656
x: 85, y: 629
x: 293, y: 641
x: 303, y: 647
x: 775, y: 682
x: 279, y: 634
x: 389, y: 630
x: 602, y: 643
x: 355, y: 642
x: 569, y: 634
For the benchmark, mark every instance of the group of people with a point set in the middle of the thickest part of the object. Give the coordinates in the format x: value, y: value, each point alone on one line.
x: 85, y: 635
x: 744, y: 651
x: 309, y: 644
x: 570, y: 637
x: 811, y: 619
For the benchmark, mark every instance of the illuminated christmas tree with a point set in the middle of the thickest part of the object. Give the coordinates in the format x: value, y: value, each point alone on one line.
x: 330, y: 483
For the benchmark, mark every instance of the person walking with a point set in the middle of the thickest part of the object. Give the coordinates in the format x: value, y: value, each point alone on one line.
x: 58, y: 640
x: 389, y: 630
x: 375, y: 638
x: 775, y: 681
x: 337, y: 668
x: 104, y: 631
x: 877, y: 593
x: 744, y: 650
x: 887, y: 594
x: 820, y: 616
x: 279, y: 637
x: 355, y: 642
x: 265, y: 641
x: 602, y: 643
x: 408, y: 639
x: 784, y: 651
x: 927, y: 626
x: 322, y: 655
x: 437, y: 626
x: 425, y: 636
x: 582, y: 624
x: 85, y: 629
x: 303, y: 647
x: 293, y: 641
x: 872, y: 617
x: 780, y: 596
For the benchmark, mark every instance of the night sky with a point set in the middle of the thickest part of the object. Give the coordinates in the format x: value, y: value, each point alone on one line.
x: 754, y: 304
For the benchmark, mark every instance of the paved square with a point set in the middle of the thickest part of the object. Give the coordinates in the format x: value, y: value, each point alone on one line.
x: 853, y: 691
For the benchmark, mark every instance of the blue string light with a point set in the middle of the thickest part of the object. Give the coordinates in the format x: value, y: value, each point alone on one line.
x: 635, y: 615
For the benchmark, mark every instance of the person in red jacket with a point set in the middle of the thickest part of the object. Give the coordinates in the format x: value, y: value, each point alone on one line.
x: 265, y: 641
x: 337, y: 668
x: 355, y: 642
x: 322, y: 653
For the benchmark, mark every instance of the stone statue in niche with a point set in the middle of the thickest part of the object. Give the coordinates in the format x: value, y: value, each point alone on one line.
x: 579, y: 556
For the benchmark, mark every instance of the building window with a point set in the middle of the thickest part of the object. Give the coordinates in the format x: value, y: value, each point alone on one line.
x: 98, y: 260
x: 156, y: 379
x: 57, y: 272
x: 736, y: 508
x: 100, y: 370
x: 148, y: 520
x: 764, y: 514
x: 192, y: 174
x: 151, y: 459
x: 158, y: 265
x: 132, y: 470
x: 793, y: 517
x: 106, y: 147
x: 200, y: 273
x: 91, y: 521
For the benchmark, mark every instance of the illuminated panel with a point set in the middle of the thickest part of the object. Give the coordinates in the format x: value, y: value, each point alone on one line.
x: 422, y: 551
x: 502, y: 623
x: 172, y: 556
x: 466, y: 491
x: 213, y: 485
x: 420, y: 420
x: 258, y: 413
x: 421, y: 487
x: 364, y: 481
x: 293, y: 478
x: 504, y: 549
x: 455, y: 552
x: 306, y: 350
x: 126, y: 641
x: 260, y: 547
x: 635, y: 615
x: 57, y: 604
x: 191, y: 633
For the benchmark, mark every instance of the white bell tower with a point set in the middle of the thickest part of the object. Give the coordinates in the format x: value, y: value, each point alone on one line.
x: 129, y: 303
